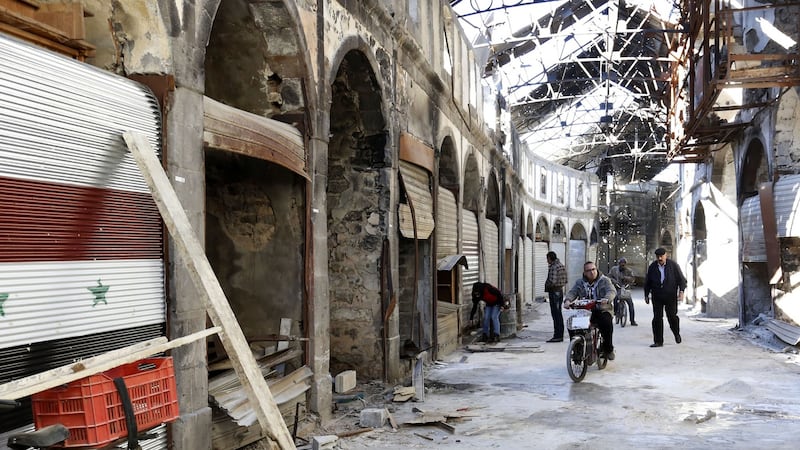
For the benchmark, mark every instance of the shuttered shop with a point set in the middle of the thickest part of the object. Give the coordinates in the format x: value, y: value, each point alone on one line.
x: 753, y: 246
x: 490, y: 242
x: 540, y: 268
x: 469, y: 276
x: 81, y: 266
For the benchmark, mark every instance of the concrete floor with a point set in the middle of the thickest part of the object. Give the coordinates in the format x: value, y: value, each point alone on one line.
x: 720, y: 388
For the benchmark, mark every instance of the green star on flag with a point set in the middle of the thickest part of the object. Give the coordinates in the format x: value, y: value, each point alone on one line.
x: 99, y: 292
x: 3, y: 298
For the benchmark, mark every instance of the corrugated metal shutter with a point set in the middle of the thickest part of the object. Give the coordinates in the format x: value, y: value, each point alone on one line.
x: 470, y: 249
x: 529, y: 268
x: 540, y: 268
x: 787, y: 205
x: 446, y: 225
x: 754, y: 248
x: 490, y: 242
x: 575, y: 259
x: 82, y: 250
x: 417, y: 184
x: 521, y: 266
x: 81, y: 266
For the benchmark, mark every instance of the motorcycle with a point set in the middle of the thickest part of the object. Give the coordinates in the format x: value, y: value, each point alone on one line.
x: 585, y: 339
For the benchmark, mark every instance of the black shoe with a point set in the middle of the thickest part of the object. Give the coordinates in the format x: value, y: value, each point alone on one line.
x: 678, y: 338
x: 495, y: 338
x: 555, y: 339
x: 482, y: 338
x: 611, y: 355
x: 657, y: 344
x: 634, y: 324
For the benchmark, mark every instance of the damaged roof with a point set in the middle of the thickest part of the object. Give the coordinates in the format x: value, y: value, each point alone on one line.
x: 586, y: 82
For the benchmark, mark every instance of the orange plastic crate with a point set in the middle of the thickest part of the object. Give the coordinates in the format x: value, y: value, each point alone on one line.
x: 92, y: 410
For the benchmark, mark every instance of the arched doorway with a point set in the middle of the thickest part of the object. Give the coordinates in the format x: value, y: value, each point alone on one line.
x: 576, y: 253
x: 357, y: 218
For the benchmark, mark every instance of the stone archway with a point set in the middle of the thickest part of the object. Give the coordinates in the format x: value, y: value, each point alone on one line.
x: 357, y: 219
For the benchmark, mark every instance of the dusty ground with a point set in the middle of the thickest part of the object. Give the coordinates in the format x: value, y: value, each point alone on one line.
x: 720, y: 388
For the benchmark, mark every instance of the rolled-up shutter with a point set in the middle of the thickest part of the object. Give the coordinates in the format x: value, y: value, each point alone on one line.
x: 575, y: 258
x: 753, y: 245
x: 787, y: 205
x: 540, y: 268
x: 490, y: 242
x: 446, y: 224
x: 470, y: 248
x: 529, y: 270
x: 82, y: 249
x: 417, y: 188
x: 81, y: 266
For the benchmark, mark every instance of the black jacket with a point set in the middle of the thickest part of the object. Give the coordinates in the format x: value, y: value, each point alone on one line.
x: 674, y: 281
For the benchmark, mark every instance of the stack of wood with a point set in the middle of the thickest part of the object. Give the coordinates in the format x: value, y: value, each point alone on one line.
x: 235, y: 423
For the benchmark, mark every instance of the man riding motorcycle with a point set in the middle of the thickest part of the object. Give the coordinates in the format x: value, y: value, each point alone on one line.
x: 595, y: 285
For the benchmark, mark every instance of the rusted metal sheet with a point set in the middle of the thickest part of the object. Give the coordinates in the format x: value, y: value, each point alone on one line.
x: 417, y: 152
x: 234, y: 130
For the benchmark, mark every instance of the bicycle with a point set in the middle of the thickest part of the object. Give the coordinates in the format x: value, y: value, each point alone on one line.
x: 621, y: 309
x: 585, y: 340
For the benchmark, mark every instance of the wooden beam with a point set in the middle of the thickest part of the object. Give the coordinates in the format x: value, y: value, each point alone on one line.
x: 61, y: 375
x: 205, y: 280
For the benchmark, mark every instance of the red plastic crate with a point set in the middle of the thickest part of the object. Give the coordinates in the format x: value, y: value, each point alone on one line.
x: 92, y: 410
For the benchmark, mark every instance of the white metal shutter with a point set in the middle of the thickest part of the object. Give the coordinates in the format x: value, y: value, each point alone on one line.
x: 446, y: 224
x: 82, y: 250
x: 490, y: 242
x: 540, y: 267
x: 787, y: 205
x: 575, y: 258
x: 754, y: 248
x: 529, y: 268
x: 470, y: 249
x: 417, y: 184
x: 521, y: 266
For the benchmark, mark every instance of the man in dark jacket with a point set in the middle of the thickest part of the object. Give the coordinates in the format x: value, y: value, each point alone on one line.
x: 666, y: 283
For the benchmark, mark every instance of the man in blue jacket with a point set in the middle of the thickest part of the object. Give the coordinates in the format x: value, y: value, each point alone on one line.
x: 666, y: 283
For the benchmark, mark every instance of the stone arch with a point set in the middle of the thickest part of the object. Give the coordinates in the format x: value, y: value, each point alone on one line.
x: 472, y: 184
x: 358, y: 205
x: 723, y: 172
x: 255, y: 212
x: 754, y: 171
x: 542, y: 233
x: 448, y: 166
x: 266, y: 73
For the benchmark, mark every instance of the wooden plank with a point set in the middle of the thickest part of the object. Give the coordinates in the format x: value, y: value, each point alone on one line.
x: 217, y: 306
x: 61, y: 375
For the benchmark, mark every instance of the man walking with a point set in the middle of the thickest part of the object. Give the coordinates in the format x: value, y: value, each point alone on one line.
x: 554, y: 286
x: 666, y: 283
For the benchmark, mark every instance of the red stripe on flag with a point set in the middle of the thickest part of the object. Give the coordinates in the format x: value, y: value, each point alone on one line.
x: 50, y: 222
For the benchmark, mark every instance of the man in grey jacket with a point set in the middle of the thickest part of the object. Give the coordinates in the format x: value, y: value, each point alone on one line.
x: 595, y: 285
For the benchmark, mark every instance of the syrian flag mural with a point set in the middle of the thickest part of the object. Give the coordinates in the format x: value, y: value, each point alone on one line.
x: 81, y: 248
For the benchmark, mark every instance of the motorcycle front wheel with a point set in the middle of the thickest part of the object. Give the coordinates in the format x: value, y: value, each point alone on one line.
x: 576, y: 360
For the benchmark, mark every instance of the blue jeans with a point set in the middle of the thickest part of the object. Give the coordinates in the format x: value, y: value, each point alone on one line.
x: 491, y: 315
